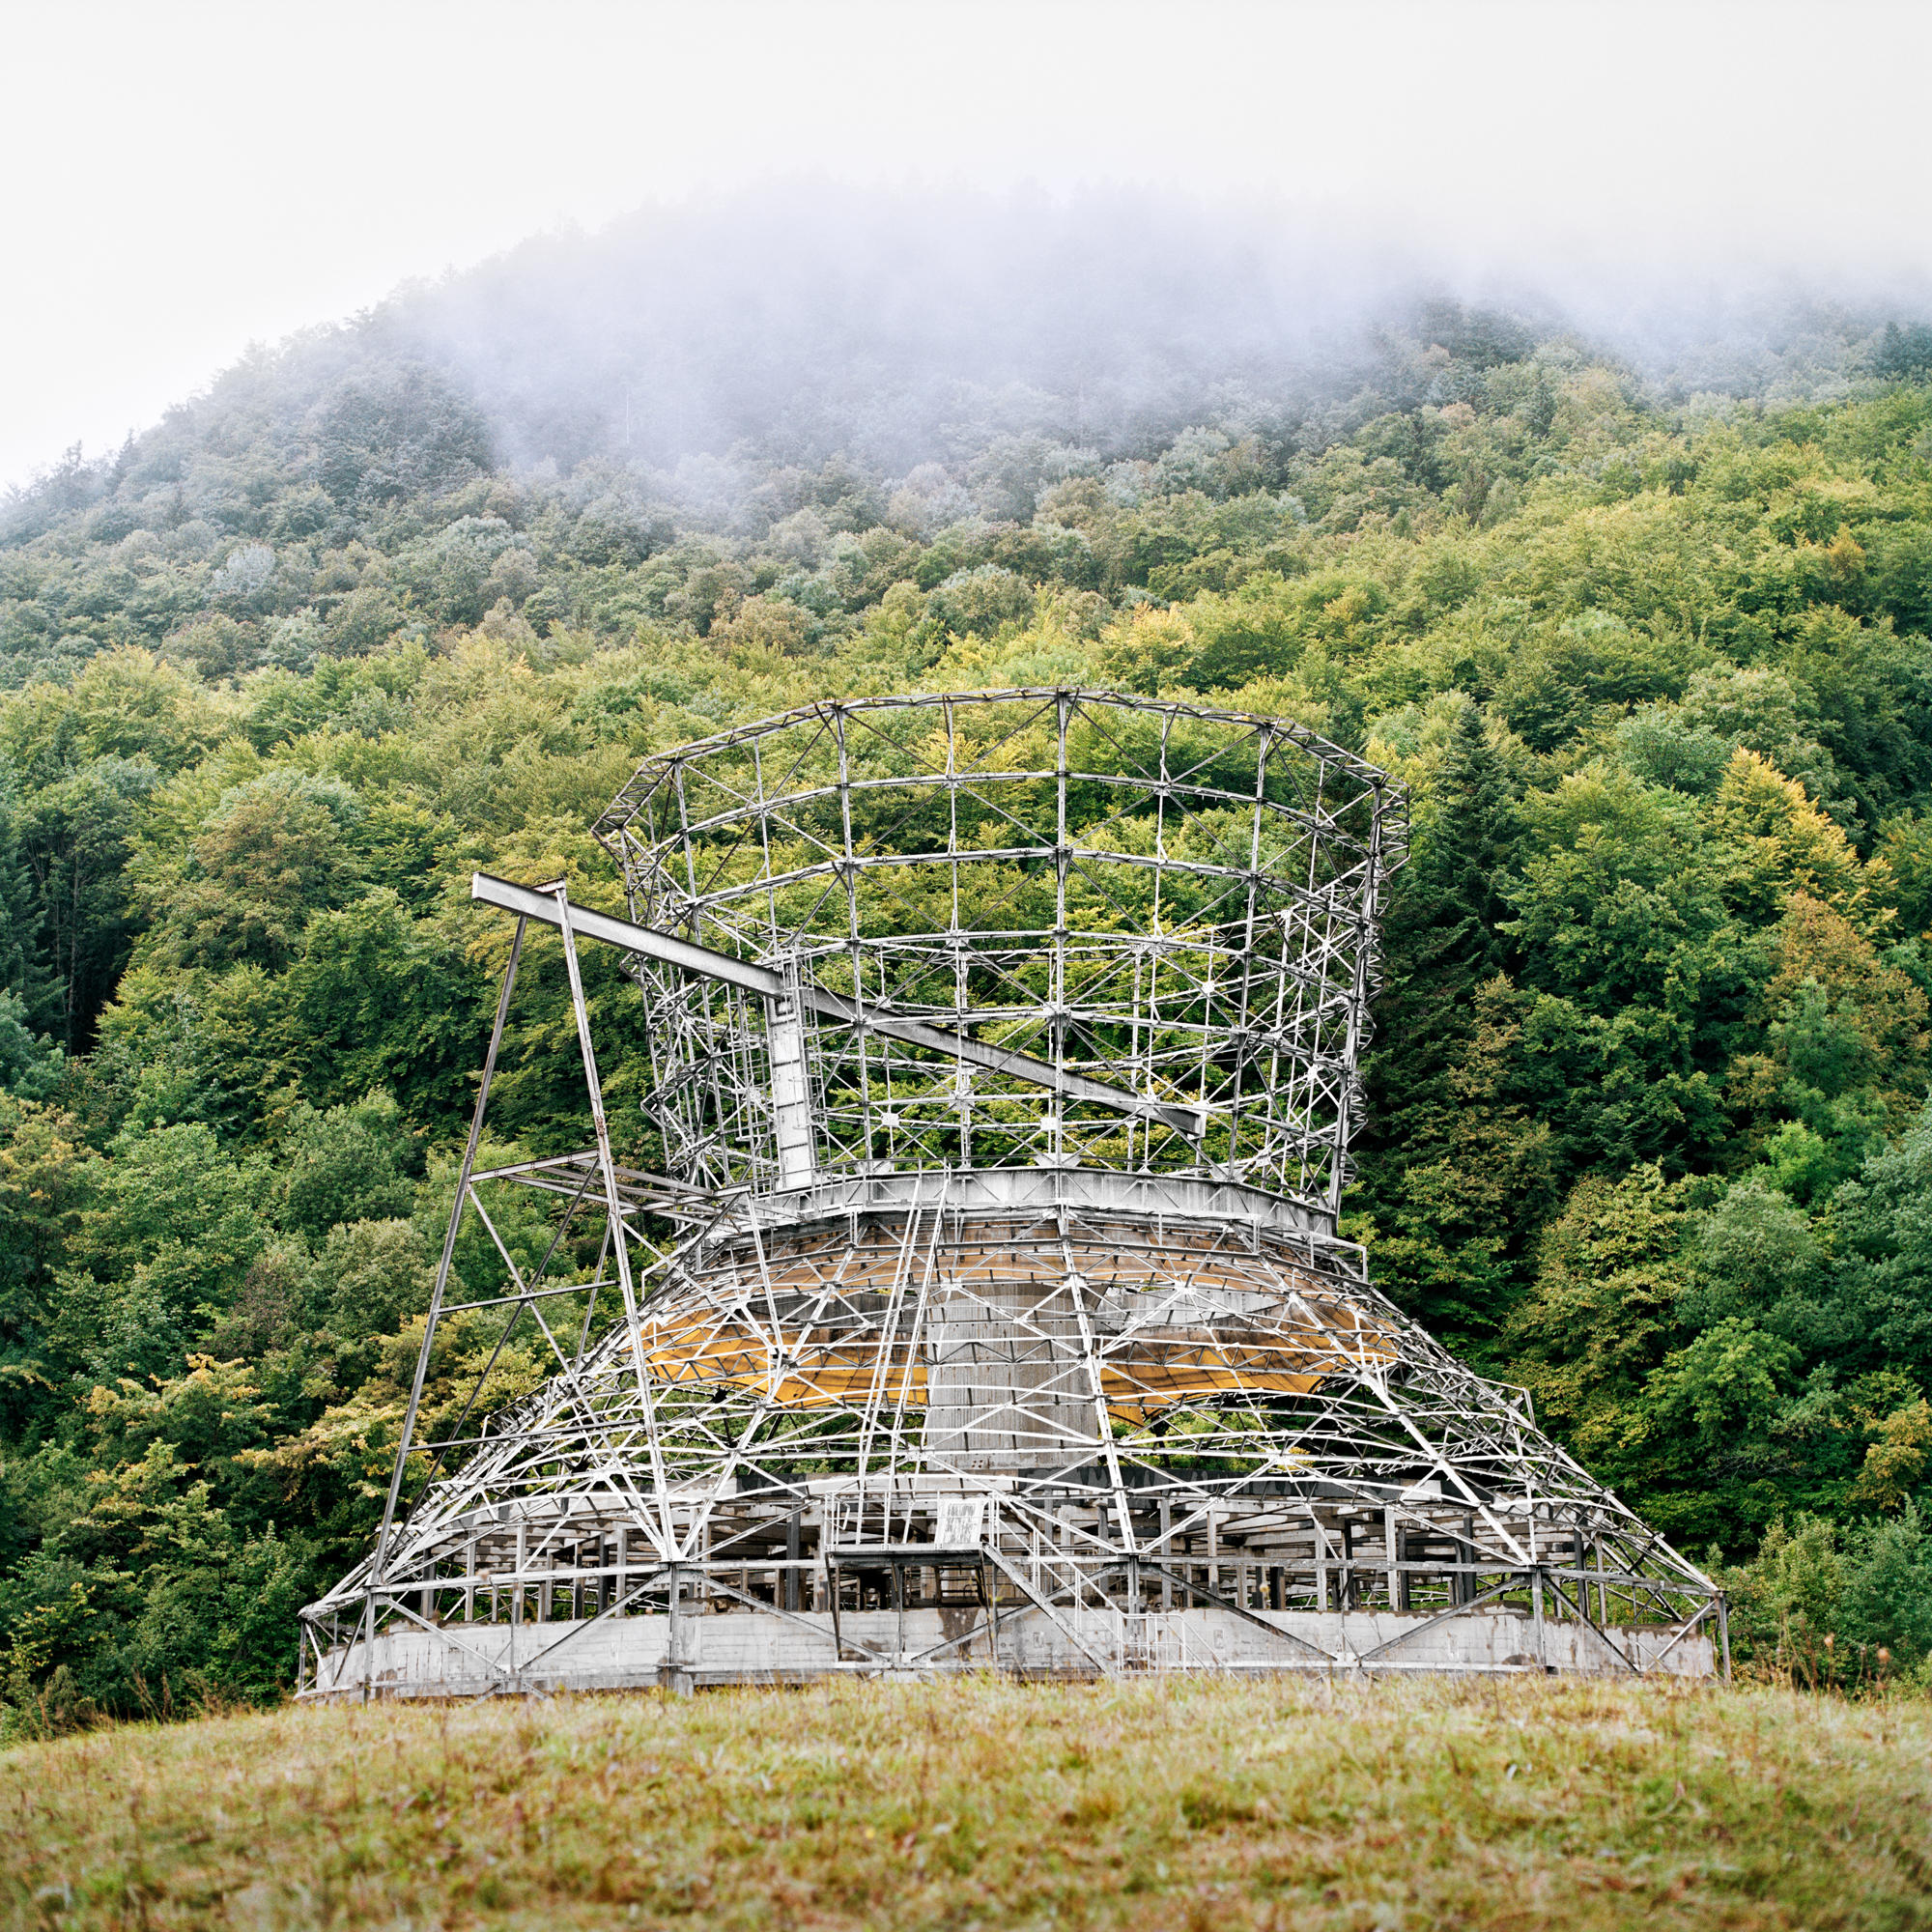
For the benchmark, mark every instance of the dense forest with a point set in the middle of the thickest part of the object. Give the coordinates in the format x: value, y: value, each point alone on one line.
x: 1650, y: 1130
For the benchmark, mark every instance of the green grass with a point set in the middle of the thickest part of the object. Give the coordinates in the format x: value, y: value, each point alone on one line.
x: 1416, y: 1803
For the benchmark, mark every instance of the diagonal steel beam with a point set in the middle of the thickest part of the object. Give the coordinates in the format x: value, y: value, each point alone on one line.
x: 752, y: 978
x: 437, y: 1292
x: 1019, y: 1583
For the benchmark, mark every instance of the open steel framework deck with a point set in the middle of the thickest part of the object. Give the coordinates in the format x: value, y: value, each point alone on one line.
x: 989, y: 1313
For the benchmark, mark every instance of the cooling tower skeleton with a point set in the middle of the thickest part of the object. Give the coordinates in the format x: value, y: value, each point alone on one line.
x: 1002, y: 1054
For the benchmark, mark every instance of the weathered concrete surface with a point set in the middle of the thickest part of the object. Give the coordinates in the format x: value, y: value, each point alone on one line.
x: 747, y: 1647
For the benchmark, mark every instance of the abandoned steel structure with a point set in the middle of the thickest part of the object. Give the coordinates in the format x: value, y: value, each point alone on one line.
x: 990, y: 1311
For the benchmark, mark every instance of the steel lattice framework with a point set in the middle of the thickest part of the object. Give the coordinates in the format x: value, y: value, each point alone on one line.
x: 1004, y: 1059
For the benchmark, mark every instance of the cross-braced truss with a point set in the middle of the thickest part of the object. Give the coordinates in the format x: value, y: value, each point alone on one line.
x: 1007, y: 1047
x: 1176, y: 900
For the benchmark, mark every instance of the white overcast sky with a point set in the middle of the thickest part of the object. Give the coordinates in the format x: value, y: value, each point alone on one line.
x: 181, y: 177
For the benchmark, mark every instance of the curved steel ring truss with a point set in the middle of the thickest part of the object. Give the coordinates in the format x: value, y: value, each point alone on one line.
x: 1171, y: 898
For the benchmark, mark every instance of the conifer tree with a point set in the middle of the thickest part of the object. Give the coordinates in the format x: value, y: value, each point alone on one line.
x: 22, y: 969
x: 1432, y: 1104
x: 1442, y: 938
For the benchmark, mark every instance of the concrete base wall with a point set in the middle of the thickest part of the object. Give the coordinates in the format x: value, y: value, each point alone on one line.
x: 747, y: 1647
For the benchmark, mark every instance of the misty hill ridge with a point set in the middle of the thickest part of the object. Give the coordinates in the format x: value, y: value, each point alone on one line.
x: 757, y: 383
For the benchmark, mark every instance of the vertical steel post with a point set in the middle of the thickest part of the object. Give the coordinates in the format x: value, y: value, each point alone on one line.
x: 1166, y: 1553
x: 791, y: 1091
x: 613, y: 1205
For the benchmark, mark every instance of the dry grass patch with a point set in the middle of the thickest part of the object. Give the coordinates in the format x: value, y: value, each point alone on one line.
x: 1200, y: 1803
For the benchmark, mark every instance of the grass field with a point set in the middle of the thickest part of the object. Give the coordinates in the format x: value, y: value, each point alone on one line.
x: 1202, y: 1803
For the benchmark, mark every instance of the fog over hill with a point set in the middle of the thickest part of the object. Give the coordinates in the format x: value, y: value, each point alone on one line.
x: 585, y: 431
x: 899, y: 330
x: 805, y: 322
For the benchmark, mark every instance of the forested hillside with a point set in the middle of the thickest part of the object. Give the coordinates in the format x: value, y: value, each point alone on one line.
x: 1650, y: 1130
